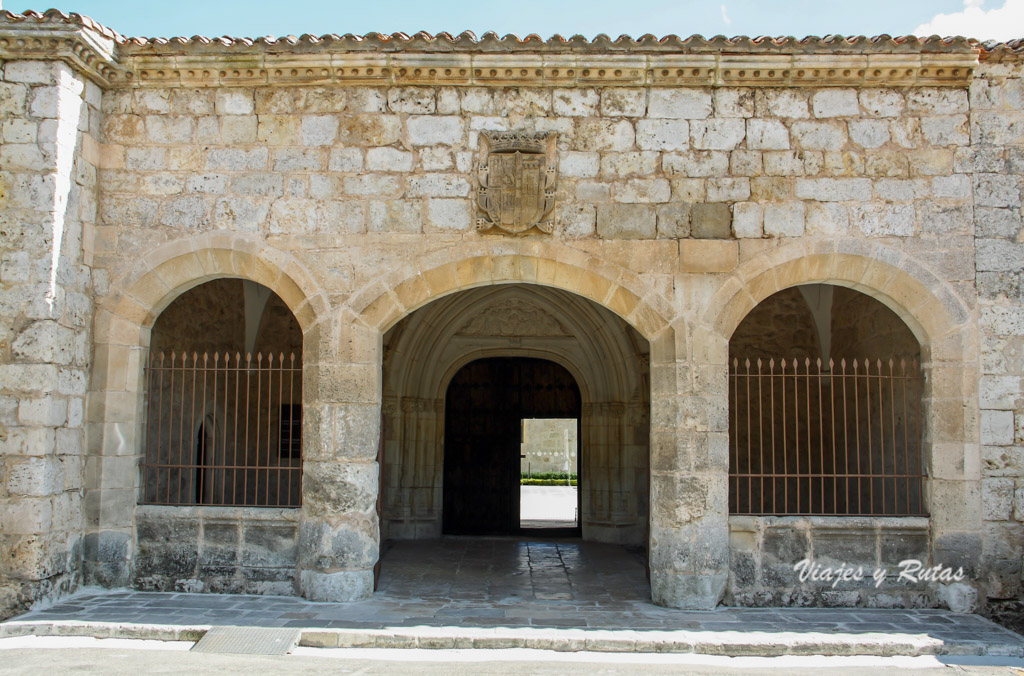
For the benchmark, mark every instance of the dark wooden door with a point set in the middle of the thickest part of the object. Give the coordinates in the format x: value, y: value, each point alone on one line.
x: 484, y: 408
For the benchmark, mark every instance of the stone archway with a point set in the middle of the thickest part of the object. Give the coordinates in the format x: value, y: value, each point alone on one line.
x: 606, y: 358
x: 122, y: 325
x: 688, y: 525
x: 941, y: 324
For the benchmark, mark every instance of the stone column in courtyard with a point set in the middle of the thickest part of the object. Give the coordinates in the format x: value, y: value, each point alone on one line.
x: 47, y: 201
x: 689, y: 547
x: 339, y: 536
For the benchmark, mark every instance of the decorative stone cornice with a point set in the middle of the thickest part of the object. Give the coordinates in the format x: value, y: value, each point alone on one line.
x: 539, y: 69
x: 77, y: 40
x: 465, y: 60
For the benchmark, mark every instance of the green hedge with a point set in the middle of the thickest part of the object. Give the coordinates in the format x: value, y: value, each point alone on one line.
x: 545, y: 482
x: 549, y: 475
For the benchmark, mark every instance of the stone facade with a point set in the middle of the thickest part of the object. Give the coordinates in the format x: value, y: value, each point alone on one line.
x: 548, y: 446
x: 695, y: 179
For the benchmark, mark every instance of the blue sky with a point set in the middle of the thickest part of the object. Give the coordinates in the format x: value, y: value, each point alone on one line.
x: 546, y: 17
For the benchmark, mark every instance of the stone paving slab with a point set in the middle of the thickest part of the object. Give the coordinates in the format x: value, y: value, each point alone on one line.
x: 522, y: 593
x: 381, y: 623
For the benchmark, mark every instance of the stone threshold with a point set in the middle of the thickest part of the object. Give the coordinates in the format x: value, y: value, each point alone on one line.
x: 723, y: 643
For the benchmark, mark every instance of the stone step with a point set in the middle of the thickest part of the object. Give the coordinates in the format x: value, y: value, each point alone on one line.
x: 734, y: 643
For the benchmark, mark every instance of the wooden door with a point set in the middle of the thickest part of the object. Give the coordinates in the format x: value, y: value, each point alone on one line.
x: 484, y: 408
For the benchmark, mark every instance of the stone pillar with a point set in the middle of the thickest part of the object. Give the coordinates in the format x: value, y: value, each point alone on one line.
x: 689, y: 541
x: 47, y: 202
x: 339, y: 537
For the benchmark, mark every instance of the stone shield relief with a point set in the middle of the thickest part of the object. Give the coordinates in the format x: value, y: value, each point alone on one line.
x: 517, y: 175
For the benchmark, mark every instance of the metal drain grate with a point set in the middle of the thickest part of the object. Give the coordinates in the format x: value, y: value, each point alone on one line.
x: 248, y: 641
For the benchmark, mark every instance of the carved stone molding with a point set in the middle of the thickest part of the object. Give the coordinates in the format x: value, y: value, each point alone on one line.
x: 513, y: 318
x: 88, y: 51
x: 502, y: 70
x: 464, y: 60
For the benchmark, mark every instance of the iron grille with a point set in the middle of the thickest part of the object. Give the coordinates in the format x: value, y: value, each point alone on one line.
x: 221, y: 430
x: 835, y: 439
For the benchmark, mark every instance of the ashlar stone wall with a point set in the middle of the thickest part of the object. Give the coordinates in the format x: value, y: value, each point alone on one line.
x: 49, y: 120
x: 695, y: 180
x: 683, y: 187
x: 548, y: 446
x: 995, y: 161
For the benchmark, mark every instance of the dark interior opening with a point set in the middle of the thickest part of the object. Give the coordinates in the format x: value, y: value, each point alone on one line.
x: 485, y: 404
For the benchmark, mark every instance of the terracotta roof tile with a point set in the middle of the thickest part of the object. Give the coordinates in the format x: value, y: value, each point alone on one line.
x: 491, y: 42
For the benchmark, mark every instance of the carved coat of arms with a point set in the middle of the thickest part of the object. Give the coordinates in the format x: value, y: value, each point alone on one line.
x: 517, y: 175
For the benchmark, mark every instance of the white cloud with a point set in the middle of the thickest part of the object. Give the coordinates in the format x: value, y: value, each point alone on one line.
x: 725, y: 17
x: 1000, y: 23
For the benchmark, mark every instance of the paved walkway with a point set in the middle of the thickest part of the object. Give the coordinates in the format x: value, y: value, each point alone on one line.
x: 547, y: 506
x: 512, y: 593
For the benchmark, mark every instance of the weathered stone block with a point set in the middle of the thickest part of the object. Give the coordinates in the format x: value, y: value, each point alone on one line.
x: 767, y: 134
x: 603, y: 135
x: 414, y: 100
x: 437, y: 185
x: 882, y: 102
x: 337, y: 587
x: 346, y: 160
x: 381, y: 130
x: 13, y: 99
x: 662, y: 134
x: 170, y: 129
x: 746, y: 163
x: 620, y: 165
x: 679, y: 103
x: 449, y: 215
x: 718, y: 134
x: 578, y: 165
x: 234, y: 102
x: 626, y: 221
x: 268, y: 544
x: 319, y: 130
x: 996, y: 190
x: 728, y: 189
x: 575, y: 102
x: 697, y: 163
x: 941, y: 100
x: 997, y: 499
x: 747, y: 220
x: 235, y: 159
x: 819, y: 135
x: 579, y: 220
x: 869, y: 133
x: 388, y: 159
x: 429, y: 130
x: 834, y: 102
x: 711, y: 221
x: 44, y: 342
x: 338, y: 488
x: 781, y: 102
x: 734, y: 102
x: 946, y: 130
x: 45, y: 411
x: 701, y: 256
x: 623, y: 102
x: 673, y: 220
x: 371, y: 184
x: 642, y: 190
x: 997, y: 428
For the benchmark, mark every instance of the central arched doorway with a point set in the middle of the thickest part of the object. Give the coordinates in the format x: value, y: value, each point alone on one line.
x: 602, y: 367
x: 486, y: 405
x: 465, y: 378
